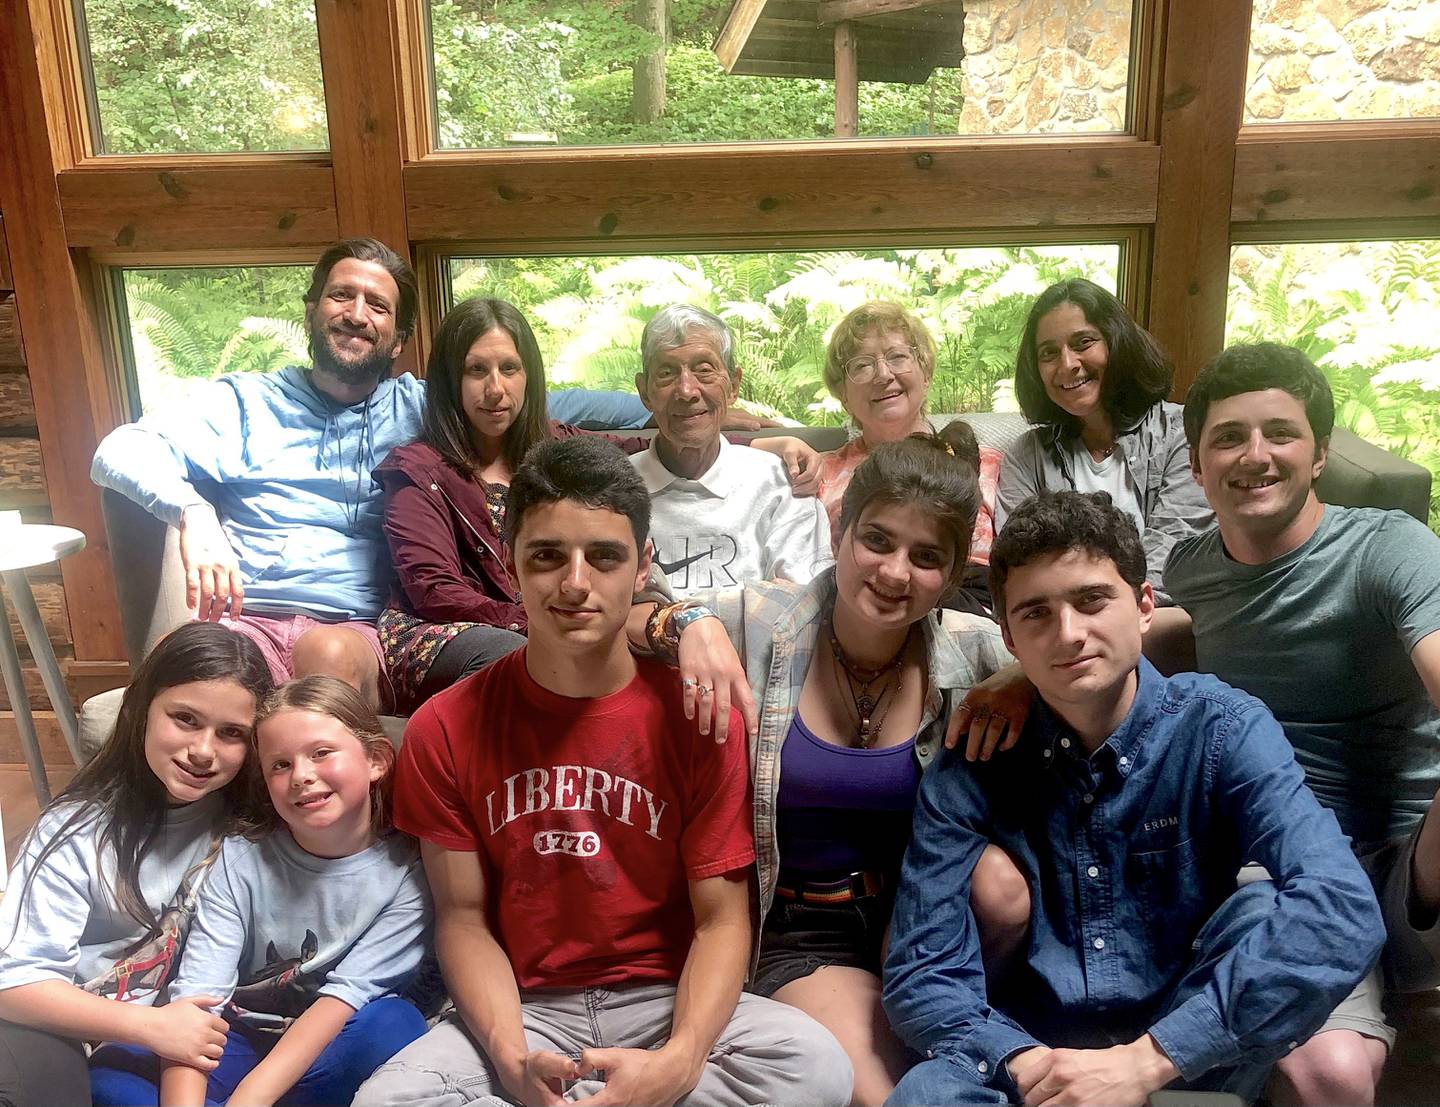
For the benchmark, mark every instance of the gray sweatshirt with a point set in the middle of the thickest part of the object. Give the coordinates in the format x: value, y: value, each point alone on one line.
x: 62, y: 921
x: 276, y: 928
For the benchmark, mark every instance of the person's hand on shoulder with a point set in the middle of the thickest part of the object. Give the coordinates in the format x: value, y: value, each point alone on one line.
x: 738, y: 420
x: 801, y: 462
x: 992, y: 715
x: 213, y: 585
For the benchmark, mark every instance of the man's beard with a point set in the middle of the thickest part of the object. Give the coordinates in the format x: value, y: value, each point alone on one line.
x: 368, y: 370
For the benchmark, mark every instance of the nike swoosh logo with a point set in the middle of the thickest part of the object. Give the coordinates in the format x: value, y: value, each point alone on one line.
x: 676, y: 566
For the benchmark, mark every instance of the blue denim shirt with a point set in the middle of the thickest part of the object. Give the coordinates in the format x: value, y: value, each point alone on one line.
x: 1127, y: 854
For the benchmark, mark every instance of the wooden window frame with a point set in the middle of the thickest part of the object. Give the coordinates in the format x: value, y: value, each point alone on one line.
x: 1185, y: 183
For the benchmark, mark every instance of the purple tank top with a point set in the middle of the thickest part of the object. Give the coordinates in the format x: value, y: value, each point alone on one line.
x: 842, y: 810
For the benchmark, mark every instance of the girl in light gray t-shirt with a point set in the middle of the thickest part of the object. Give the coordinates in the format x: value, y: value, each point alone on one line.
x: 101, y: 895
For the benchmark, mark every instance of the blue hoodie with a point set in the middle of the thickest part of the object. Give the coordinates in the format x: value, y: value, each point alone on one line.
x: 287, y: 470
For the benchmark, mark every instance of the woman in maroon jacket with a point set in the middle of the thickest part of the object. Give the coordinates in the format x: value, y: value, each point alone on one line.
x: 455, y: 608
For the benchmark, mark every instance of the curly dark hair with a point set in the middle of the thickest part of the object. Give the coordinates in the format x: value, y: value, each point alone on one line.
x: 586, y: 468
x: 1057, y: 522
x: 1255, y: 368
x: 1137, y: 376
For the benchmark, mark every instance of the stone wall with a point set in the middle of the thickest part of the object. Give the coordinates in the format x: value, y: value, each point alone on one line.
x: 1343, y: 59
x: 1043, y: 66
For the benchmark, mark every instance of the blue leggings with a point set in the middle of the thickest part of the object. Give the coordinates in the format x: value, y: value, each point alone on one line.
x: 127, y: 1076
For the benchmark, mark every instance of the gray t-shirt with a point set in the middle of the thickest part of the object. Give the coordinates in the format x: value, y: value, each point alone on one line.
x: 1323, y: 635
x: 277, y: 928
x: 61, y: 920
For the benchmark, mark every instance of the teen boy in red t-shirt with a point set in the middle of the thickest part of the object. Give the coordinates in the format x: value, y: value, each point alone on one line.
x: 588, y: 850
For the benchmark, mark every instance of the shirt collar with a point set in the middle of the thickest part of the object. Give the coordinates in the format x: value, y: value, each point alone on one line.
x: 1123, y: 745
x: 718, y: 480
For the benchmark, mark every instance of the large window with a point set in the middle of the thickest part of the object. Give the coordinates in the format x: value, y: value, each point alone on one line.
x: 221, y: 76
x: 188, y: 326
x: 577, y: 72
x: 588, y: 312
x: 1343, y: 59
x: 1368, y: 313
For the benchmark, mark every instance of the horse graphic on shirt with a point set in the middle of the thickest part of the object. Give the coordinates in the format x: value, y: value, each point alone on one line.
x: 143, y: 969
x: 282, y: 986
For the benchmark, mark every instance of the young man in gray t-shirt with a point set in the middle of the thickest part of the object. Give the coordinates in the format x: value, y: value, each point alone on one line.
x: 1331, y: 616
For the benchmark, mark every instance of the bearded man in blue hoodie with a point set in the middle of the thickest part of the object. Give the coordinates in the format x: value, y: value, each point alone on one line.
x: 269, y: 481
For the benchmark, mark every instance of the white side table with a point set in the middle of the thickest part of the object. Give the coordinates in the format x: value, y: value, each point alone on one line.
x: 22, y: 547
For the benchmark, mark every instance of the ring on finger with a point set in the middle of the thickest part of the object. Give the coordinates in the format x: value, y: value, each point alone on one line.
x: 689, y: 682
x: 705, y: 689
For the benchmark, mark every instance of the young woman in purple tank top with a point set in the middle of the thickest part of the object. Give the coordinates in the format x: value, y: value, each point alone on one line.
x: 856, y: 679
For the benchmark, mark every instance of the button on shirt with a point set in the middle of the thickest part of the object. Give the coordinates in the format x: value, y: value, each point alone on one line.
x: 1127, y: 853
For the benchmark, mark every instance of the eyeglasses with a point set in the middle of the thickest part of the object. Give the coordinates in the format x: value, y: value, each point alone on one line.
x: 899, y: 360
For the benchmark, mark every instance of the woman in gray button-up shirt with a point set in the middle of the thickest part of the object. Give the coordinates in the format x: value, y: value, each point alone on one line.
x: 1095, y: 382
x: 838, y: 756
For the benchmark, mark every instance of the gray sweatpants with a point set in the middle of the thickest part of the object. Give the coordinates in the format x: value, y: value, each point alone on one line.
x: 769, y: 1053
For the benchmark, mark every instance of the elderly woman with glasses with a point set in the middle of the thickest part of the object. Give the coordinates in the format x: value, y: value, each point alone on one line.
x: 879, y: 364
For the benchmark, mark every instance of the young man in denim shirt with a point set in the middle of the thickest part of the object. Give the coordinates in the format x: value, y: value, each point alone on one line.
x: 1129, y: 804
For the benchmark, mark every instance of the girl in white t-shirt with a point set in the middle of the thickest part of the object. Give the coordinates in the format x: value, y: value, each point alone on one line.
x: 102, y: 892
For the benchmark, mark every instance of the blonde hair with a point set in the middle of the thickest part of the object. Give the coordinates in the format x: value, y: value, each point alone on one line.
x: 882, y: 316
x: 329, y: 696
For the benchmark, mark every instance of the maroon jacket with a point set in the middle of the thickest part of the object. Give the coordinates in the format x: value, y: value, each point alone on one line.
x: 449, y: 559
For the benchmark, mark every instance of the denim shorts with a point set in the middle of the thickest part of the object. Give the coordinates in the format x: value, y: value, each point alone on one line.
x: 799, y: 938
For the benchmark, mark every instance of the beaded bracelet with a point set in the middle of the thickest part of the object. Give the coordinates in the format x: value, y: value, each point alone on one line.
x: 666, y: 624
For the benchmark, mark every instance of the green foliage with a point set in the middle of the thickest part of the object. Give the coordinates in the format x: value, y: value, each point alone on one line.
x: 562, y: 68
x: 782, y: 307
x: 200, y: 323
x: 1366, y: 314
x: 211, y: 76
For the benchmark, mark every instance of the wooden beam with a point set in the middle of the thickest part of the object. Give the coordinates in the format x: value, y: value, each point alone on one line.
x: 847, y: 83
x: 359, y: 44
x: 838, y: 11
x: 285, y: 202
x: 1203, y: 90
x: 6, y: 281
x: 12, y: 353
x: 905, y: 185
x: 68, y: 375
x: 736, y: 32
x: 1360, y: 173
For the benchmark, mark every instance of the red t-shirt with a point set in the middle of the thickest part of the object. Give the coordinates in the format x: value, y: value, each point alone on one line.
x: 589, y: 817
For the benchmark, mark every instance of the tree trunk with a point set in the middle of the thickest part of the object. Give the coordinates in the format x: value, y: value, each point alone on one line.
x: 648, y: 84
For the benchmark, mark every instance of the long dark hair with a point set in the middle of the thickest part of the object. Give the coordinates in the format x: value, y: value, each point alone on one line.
x: 446, y: 428
x: 333, y: 698
x: 921, y: 469
x: 1137, y: 372
x: 120, y: 782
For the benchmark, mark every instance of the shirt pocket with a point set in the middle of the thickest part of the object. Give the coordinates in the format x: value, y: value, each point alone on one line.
x: 1169, y: 895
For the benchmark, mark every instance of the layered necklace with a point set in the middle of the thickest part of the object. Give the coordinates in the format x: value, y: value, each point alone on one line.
x: 872, y: 691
